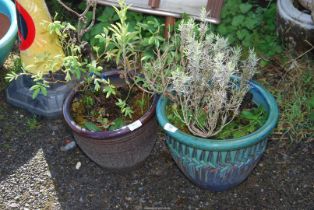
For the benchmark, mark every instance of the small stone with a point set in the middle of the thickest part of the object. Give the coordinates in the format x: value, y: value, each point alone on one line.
x: 81, y: 200
x: 53, y: 127
x: 78, y: 165
x: 14, y: 205
x: 68, y: 146
x: 49, y: 174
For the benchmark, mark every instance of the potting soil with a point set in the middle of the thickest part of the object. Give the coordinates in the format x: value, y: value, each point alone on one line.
x: 4, y: 25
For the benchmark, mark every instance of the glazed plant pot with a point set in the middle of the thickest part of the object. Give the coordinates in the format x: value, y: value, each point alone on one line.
x: 121, y: 149
x: 295, y: 27
x: 7, y: 8
x: 218, y: 165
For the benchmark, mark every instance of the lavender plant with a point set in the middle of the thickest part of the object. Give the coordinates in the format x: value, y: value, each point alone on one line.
x: 197, y: 72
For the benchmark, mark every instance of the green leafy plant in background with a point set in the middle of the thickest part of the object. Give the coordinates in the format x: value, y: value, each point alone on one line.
x: 150, y: 28
x: 243, y: 22
x: 55, y: 7
x: 249, y: 25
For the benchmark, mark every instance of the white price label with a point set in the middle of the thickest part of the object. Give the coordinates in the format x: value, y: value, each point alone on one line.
x: 135, y: 125
x: 170, y: 128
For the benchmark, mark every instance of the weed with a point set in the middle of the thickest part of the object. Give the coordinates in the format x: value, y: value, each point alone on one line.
x: 141, y: 103
x: 32, y: 123
x: 6, y: 146
x: 248, y: 121
x: 13, y: 63
x: 295, y: 95
x: 250, y: 26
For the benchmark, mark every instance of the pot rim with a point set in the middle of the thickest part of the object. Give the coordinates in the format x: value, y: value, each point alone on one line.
x: 288, y: 11
x: 12, y: 31
x: 104, y: 135
x: 226, y: 144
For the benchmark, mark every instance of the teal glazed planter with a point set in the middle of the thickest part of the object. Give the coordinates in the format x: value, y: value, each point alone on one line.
x: 6, y: 43
x: 219, y: 165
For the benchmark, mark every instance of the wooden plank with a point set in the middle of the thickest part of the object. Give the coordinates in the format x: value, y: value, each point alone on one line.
x: 172, y: 8
x: 154, y: 3
x: 169, y: 22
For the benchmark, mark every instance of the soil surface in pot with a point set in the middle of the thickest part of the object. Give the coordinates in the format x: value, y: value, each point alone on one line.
x: 96, y: 112
x: 4, y: 25
x: 251, y: 118
x: 300, y: 7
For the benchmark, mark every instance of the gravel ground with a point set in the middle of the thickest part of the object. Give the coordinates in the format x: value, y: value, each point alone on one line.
x: 30, y: 186
x: 36, y: 174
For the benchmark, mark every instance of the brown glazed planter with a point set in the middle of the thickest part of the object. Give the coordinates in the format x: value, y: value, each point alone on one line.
x: 122, y: 149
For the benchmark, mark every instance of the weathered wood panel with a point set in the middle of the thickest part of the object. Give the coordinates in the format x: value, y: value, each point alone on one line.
x: 174, y: 7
